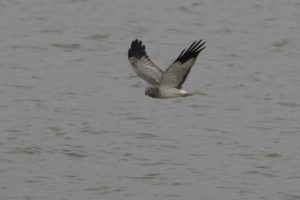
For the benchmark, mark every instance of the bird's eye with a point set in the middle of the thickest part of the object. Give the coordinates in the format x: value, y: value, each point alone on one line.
x: 148, y: 91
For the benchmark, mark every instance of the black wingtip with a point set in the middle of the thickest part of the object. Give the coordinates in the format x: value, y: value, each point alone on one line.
x: 137, y: 49
x: 192, y: 52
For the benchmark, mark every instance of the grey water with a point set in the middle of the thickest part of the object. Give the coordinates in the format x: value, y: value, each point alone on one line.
x: 75, y: 123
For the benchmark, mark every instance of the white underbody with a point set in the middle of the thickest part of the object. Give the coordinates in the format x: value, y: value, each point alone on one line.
x: 173, y: 92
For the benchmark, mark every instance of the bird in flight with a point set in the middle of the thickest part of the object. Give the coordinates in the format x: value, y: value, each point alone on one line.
x: 164, y: 84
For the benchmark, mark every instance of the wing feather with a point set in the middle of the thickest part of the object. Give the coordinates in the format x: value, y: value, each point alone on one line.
x: 142, y: 64
x: 176, y: 74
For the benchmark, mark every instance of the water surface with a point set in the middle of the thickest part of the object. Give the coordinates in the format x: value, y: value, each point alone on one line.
x: 75, y: 123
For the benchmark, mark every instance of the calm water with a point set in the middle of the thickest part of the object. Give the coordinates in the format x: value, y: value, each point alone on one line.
x: 75, y: 123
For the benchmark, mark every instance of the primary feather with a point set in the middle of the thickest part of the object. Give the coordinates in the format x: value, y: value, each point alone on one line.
x: 142, y: 64
x: 176, y: 73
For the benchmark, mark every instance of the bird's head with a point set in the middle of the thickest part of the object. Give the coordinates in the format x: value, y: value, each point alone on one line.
x: 152, y: 91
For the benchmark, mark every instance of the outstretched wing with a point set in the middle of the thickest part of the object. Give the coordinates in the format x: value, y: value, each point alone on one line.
x: 177, y: 72
x: 142, y: 64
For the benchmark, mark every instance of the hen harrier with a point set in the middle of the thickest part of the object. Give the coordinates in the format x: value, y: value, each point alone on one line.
x: 164, y: 84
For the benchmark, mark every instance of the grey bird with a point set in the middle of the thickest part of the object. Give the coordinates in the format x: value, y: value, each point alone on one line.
x: 164, y: 84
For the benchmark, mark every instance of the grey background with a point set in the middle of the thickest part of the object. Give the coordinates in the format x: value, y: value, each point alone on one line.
x: 75, y: 123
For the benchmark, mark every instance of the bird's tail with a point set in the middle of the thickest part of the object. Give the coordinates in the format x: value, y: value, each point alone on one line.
x: 185, y: 93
